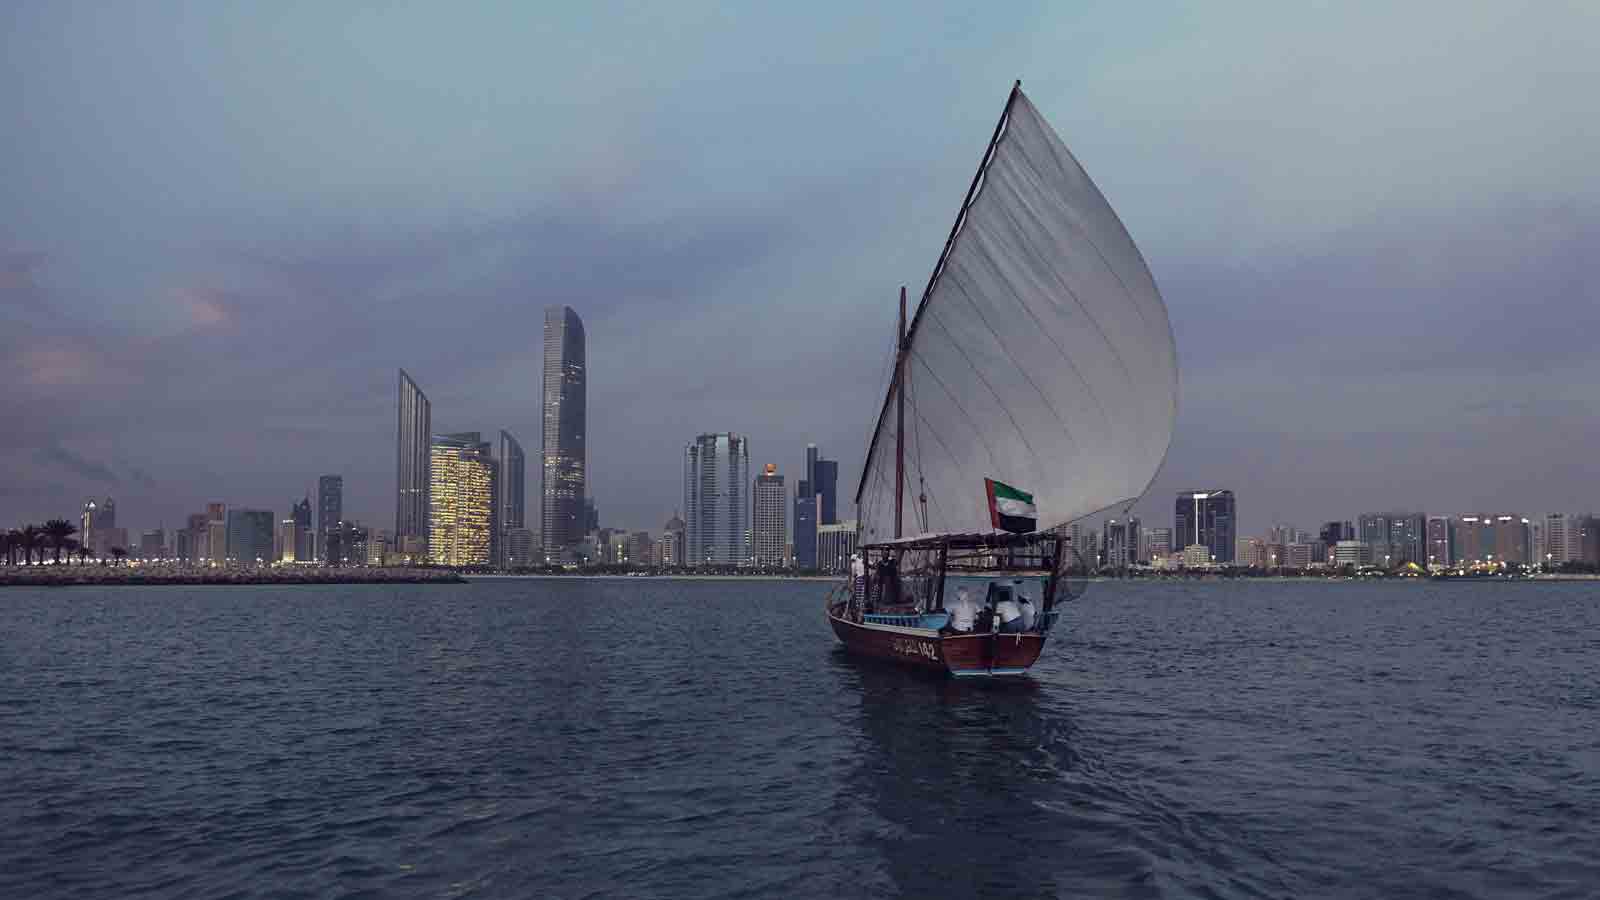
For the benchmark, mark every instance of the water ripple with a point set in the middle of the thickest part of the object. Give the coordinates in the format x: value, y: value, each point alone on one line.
x: 621, y: 738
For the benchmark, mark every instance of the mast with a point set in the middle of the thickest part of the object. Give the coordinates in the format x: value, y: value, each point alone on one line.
x: 900, y: 418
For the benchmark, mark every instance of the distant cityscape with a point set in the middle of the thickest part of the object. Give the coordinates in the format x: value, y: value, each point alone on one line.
x: 1203, y: 537
x: 461, y: 500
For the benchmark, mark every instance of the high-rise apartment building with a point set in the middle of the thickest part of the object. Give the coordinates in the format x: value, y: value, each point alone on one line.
x: 716, y: 500
x: 288, y: 540
x: 1250, y: 553
x: 520, y: 548
x: 1121, y: 542
x: 1155, y: 542
x: 1588, y: 539
x: 1558, y: 544
x: 249, y: 536
x: 413, y: 453
x: 770, y: 519
x: 1336, y: 531
x: 1494, y: 540
x: 87, y: 522
x: 1441, y: 550
x: 461, y: 513
x: 1206, y: 518
x: 304, y: 541
x: 640, y: 548
x: 511, y: 495
x: 836, y: 542
x: 153, y: 544
x: 330, y: 513
x: 1396, y: 537
x: 672, y: 547
x: 564, y: 417
x: 825, y: 482
x: 805, y: 526
x: 216, y: 545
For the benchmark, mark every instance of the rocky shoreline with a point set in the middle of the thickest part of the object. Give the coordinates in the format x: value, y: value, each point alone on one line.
x: 70, y: 575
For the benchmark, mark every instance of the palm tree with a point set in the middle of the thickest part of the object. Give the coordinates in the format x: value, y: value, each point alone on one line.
x: 30, y: 540
x: 84, y: 553
x: 118, y: 553
x: 58, y: 532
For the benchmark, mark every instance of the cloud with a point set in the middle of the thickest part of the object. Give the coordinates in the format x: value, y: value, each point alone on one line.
x: 57, y: 455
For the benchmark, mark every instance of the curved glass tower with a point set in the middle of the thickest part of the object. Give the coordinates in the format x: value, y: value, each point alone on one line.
x: 512, y: 496
x: 566, y: 379
x: 411, y: 469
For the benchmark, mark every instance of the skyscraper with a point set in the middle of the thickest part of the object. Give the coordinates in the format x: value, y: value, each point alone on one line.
x: 412, y: 452
x: 1558, y: 543
x: 671, y: 552
x: 816, y: 503
x: 716, y: 501
x: 1441, y: 541
x: 770, y: 518
x: 330, y: 512
x: 302, y: 550
x: 805, y: 526
x: 1396, y: 537
x: 825, y: 483
x: 561, y: 516
x: 461, y: 513
x: 1205, y: 518
x: 1121, y: 542
x: 511, y: 495
x: 249, y: 536
x: 1336, y: 531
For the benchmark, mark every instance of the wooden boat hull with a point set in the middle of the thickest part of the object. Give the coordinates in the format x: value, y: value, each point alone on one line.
x: 960, y: 655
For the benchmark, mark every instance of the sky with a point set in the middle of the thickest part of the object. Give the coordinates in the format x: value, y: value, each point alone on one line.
x: 225, y: 226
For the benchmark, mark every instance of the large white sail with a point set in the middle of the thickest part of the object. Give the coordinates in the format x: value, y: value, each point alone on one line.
x: 1041, y: 356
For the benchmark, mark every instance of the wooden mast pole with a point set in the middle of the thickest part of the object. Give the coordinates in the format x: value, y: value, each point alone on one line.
x: 900, y: 419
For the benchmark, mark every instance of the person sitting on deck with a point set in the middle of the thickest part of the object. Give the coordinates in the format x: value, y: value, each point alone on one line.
x: 1029, y: 614
x: 962, y: 610
x: 1010, y: 614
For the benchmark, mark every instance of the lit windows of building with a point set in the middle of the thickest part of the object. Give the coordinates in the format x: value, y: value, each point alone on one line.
x: 461, y: 518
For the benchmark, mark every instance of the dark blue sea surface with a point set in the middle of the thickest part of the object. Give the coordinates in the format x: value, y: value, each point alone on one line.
x: 655, y: 738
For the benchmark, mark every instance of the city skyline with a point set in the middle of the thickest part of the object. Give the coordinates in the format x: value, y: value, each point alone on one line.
x: 1379, y: 273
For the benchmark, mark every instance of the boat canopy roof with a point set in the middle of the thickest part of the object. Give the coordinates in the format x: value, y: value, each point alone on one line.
x: 973, y: 541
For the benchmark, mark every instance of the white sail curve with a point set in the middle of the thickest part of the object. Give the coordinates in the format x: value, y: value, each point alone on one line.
x: 1041, y: 357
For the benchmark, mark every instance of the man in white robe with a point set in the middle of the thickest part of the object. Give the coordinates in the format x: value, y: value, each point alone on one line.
x: 962, y: 610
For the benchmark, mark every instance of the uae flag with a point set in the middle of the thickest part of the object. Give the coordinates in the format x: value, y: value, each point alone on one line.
x: 1010, y: 509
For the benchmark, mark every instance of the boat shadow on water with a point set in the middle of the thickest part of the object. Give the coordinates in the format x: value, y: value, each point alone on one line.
x: 958, y: 773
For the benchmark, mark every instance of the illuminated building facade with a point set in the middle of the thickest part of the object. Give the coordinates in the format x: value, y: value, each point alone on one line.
x: 561, y: 513
x: 412, y: 452
x: 461, y: 513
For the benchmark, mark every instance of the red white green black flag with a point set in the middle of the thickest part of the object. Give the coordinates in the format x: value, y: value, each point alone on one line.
x: 1009, y: 508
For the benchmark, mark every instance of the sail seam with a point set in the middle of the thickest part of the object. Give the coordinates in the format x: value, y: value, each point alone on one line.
x: 976, y: 428
x: 981, y: 377
x: 1049, y: 404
